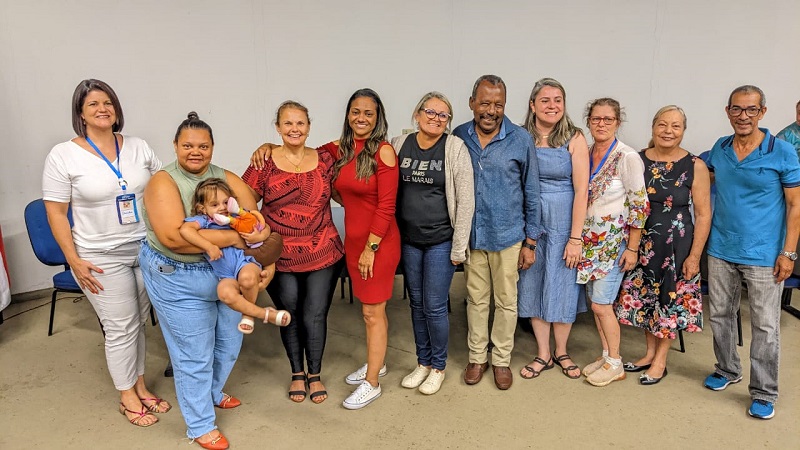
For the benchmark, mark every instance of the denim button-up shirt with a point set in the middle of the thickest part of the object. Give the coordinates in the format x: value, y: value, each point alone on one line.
x: 507, y: 201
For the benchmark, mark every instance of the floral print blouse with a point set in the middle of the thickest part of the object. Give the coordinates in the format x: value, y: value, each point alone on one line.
x: 617, y: 202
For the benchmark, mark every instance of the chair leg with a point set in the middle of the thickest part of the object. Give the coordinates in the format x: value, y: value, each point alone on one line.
x: 52, y: 312
x: 680, y: 340
x: 341, y: 285
x: 153, y: 316
x: 1, y: 317
x: 739, y: 326
x: 449, y: 306
x: 350, y: 287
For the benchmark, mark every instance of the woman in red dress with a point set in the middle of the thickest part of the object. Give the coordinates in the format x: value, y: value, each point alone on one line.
x: 365, y: 180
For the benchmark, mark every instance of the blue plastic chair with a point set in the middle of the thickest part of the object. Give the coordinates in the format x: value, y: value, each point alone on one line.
x: 48, y: 252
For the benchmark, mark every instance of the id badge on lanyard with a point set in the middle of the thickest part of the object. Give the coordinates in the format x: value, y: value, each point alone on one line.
x: 126, y: 203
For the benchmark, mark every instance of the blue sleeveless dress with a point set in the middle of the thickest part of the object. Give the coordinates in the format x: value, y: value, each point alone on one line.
x: 548, y: 289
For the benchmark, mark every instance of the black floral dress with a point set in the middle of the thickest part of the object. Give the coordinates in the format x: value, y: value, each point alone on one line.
x: 655, y: 296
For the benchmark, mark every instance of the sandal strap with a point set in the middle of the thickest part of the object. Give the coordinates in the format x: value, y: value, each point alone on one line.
x: 540, y: 361
x: 299, y: 377
x: 314, y: 379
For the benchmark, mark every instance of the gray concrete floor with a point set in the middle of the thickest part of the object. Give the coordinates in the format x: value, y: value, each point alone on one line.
x: 55, y: 392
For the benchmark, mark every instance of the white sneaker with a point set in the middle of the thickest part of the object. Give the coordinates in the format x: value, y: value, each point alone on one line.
x: 364, y: 394
x: 361, y: 374
x: 432, y: 383
x: 415, y: 378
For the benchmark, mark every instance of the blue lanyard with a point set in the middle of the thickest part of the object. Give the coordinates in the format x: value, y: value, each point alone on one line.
x: 122, y: 183
x: 593, y: 172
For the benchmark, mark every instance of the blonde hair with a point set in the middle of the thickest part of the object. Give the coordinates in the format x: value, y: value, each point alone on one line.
x: 436, y: 95
x: 564, y: 130
x: 663, y: 111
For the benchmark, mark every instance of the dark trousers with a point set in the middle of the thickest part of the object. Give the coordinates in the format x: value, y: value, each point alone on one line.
x: 307, y: 296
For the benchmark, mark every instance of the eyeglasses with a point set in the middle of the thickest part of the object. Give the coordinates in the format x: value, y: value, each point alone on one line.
x: 606, y: 120
x: 736, y: 111
x: 431, y: 113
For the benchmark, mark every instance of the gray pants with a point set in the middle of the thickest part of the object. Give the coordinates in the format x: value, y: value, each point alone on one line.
x: 724, y: 288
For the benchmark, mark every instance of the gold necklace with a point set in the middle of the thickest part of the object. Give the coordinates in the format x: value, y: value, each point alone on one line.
x: 296, y: 166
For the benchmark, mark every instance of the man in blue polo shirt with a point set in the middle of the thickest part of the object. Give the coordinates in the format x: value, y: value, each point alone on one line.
x: 754, y: 234
x: 505, y: 226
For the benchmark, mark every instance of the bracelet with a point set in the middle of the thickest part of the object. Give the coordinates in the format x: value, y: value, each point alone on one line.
x: 632, y: 250
x: 576, y: 238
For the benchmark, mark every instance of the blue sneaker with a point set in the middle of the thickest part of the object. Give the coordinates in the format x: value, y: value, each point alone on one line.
x: 761, y: 409
x: 717, y: 382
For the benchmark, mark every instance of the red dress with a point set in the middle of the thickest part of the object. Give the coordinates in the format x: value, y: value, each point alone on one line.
x: 369, y: 207
x: 297, y: 206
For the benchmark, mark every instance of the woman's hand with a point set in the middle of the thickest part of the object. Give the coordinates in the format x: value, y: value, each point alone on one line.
x: 365, y: 263
x: 82, y: 269
x: 572, y: 254
x: 691, y: 266
x: 628, y: 260
x: 260, y: 155
x: 267, y: 273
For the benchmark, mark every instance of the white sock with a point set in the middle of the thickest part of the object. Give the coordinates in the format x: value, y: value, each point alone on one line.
x: 613, y: 361
x: 605, y: 353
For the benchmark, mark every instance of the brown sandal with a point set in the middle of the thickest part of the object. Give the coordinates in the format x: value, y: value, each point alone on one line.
x: 139, y: 415
x: 565, y: 370
x: 547, y: 365
x: 155, y: 407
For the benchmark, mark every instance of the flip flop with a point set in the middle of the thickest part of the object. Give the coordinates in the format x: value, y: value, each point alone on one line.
x: 249, y: 322
x: 278, y: 317
x: 546, y: 365
x: 565, y: 370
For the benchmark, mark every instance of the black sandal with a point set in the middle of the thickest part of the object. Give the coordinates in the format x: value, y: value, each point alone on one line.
x: 565, y: 370
x: 298, y: 393
x: 546, y: 365
x: 314, y: 395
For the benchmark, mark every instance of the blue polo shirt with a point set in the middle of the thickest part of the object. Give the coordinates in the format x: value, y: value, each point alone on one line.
x: 507, y: 202
x: 748, y: 225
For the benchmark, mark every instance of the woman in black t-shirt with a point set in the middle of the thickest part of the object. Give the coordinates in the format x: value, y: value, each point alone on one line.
x: 435, y: 203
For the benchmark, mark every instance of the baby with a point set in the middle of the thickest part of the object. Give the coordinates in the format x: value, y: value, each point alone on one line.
x: 239, y: 274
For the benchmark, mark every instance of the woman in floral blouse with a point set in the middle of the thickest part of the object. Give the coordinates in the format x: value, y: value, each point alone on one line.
x: 617, y: 211
x: 662, y: 294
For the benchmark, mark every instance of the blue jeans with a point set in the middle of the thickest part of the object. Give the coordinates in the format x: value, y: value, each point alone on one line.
x: 724, y: 291
x: 428, y: 272
x: 200, y: 332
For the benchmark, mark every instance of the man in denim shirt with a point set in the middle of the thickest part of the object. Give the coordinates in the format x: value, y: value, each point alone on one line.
x: 753, y: 237
x: 505, y: 226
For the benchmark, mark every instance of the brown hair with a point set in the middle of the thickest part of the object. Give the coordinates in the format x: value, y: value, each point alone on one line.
x: 206, y: 189
x: 366, y: 165
x: 79, y: 96
x: 564, y: 130
x: 293, y: 105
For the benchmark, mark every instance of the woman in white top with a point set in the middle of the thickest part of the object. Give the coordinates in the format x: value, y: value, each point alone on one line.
x: 102, y: 174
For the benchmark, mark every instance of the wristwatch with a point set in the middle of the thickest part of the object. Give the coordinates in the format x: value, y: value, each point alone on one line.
x: 373, y: 246
x: 791, y: 255
x: 529, y: 246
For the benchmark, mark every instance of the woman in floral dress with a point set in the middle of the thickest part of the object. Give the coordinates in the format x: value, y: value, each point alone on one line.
x: 662, y: 294
x: 615, y: 217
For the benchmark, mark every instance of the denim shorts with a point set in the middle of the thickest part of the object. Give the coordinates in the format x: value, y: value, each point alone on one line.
x: 606, y: 290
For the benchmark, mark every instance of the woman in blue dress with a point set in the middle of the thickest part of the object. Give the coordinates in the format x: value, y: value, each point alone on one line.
x: 547, y: 292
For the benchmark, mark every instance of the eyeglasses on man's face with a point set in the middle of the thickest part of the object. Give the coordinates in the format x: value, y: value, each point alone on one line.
x: 606, y: 120
x: 432, y: 114
x: 736, y: 111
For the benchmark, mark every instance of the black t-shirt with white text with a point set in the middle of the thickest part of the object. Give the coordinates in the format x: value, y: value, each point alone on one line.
x: 421, y: 202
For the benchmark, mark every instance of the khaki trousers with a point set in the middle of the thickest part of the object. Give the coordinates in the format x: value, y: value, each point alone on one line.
x: 489, y: 272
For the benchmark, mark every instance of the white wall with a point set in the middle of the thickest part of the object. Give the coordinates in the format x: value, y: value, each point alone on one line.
x: 235, y: 61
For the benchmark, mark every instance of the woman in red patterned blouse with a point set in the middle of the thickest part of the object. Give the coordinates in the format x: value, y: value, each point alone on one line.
x: 295, y: 188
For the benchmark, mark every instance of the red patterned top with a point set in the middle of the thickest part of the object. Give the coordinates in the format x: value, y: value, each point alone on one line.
x: 297, y: 206
x: 369, y: 207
